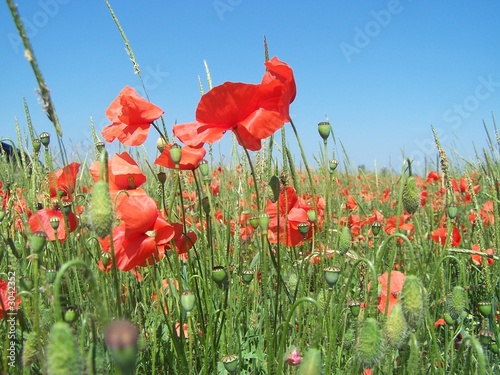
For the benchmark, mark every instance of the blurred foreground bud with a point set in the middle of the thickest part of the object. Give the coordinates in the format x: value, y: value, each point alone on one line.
x: 121, y: 339
x: 63, y: 355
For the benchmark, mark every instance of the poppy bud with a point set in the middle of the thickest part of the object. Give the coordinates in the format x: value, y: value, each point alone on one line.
x: 369, y: 345
x: 121, y: 338
x: 105, y: 259
x: 274, y: 183
x: 345, y: 240
x: 448, y: 319
x: 162, y: 177
x: 395, y: 327
x: 37, y: 144
x: 230, y: 363
x: 412, y: 301
x: 411, y: 197
x: 312, y: 362
x: 324, y: 129
x: 188, y: 300
x: 101, y: 212
x: 30, y: 349
x: 331, y: 276
x: 63, y: 355
x: 312, y: 216
x: 71, y: 314
x: 161, y: 144
x: 456, y: 303
x: 176, y: 153
x: 45, y: 139
x: 452, y: 210
x: 292, y: 356
x: 37, y: 241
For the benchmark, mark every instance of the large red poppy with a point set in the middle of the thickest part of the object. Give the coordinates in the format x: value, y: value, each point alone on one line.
x: 252, y: 111
x: 131, y: 117
x: 140, y: 239
x: 40, y: 222
x: 191, y: 157
x: 64, y: 180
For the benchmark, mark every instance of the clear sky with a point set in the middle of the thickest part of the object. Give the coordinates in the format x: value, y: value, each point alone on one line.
x: 382, y: 71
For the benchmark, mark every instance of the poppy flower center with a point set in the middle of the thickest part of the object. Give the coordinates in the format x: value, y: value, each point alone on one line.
x: 131, y: 182
x: 151, y: 233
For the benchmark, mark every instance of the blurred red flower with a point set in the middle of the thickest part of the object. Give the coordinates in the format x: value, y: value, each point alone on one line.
x: 191, y: 157
x: 123, y: 172
x: 9, y: 300
x: 40, y: 222
x: 397, y: 281
x: 139, y: 239
x: 290, y: 211
x: 252, y: 111
x: 131, y: 117
x: 478, y: 259
x: 64, y: 180
x: 439, y: 235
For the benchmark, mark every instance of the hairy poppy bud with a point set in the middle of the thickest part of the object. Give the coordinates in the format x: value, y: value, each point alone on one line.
x: 312, y: 362
x: 344, y: 240
x: 101, y: 211
x: 396, y: 327
x: 412, y: 301
x: 63, y: 355
x: 370, y: 343
x: 456, y: 303
x: 411, y: 198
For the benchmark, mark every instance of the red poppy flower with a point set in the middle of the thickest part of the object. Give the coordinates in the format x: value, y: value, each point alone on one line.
x: 278, y: 70
x: 439, y: 235
x: 487, y: 213
x: 64, y: 180
x: 433, y: 177
x: 478, y: 259
x: 131, y: 117
x: 183, y: 241
x: 40, y: 222
x: 397, y: 281
x: 252, y: 112
x: 190, y: 160
x: 9, y: 300
x: 123, y: 173
x: 139, y: 239
x: 290, y: 211
x: 390, y: 226
x: 440, y: 322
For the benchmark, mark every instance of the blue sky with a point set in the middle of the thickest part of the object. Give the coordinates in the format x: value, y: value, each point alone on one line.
x: 382, y: 71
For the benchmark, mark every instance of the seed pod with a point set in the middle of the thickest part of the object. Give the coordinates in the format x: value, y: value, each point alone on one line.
x: 345, y: 240
x: 370, y: 343
x: 396, y: 327
x: 63, y: 356
x: 412, y: 301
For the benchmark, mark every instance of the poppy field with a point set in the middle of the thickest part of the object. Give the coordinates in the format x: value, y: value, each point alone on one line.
x: 167, y: 261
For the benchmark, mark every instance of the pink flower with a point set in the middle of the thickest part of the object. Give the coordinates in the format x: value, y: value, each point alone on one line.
x: 294, y: 358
